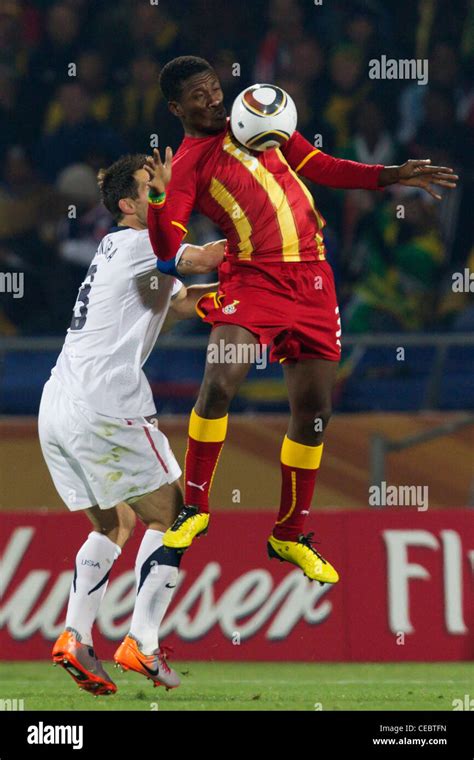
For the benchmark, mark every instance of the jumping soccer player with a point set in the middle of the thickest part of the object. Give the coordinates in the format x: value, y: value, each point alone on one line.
x: 97, y: 435
x: 276, y: 288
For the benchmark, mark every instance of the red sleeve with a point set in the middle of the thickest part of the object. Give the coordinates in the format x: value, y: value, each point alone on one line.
x: 323, y: 169
x: 167, y: 223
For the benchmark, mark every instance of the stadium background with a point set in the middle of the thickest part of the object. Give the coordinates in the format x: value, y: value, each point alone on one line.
x: 394, y: 279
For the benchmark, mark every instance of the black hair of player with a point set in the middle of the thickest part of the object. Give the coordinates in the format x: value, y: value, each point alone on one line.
x: 177, y: 71
x: 118, y: 182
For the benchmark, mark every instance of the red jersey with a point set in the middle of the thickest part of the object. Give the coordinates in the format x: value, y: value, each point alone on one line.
x: 256, y: 198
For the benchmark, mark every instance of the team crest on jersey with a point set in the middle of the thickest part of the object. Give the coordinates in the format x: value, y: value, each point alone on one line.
x: 230, y: 308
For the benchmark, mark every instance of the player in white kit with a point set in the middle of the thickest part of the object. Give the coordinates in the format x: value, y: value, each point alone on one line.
x: 99, y: 434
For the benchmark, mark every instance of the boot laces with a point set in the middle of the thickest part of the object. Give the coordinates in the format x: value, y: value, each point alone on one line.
x: 308, y: 541
x: 163, y: 653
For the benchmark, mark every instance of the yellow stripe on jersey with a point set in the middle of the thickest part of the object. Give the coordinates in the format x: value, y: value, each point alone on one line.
x: 277, y: 196
x: 303, y: 187
x: 236, y: 215
x: 181, y: 227
x: 321, y: 223
x: 319, y: 237
x: 306, y: 159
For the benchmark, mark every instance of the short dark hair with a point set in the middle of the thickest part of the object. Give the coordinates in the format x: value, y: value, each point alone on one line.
x: 177, y: 71
x: 118, y: 182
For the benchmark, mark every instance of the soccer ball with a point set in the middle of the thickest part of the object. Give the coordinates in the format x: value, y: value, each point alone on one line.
x: 263, y: 116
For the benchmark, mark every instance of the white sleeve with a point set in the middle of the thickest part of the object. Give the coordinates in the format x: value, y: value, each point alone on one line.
x: 143, y: 257
x: 180, y: 252
x: 177, y: 286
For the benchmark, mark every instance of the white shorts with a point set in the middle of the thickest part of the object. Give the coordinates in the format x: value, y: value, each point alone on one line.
x: 98, y: 460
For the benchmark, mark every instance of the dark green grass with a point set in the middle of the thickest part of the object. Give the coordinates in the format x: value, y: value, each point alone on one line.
x: 251, y: 686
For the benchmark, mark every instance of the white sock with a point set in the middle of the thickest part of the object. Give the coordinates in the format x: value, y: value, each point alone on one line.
x: 156, y: 580
x: 94, y: 562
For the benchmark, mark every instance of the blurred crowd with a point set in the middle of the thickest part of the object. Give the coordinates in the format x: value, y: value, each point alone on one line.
x: 79, y: 87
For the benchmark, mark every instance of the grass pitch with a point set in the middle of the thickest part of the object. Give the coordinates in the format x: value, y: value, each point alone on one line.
x: 251, y: 686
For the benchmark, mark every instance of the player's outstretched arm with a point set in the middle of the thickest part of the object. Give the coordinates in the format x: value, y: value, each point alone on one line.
x: 169, y: 207
x: 323, y: 169
x: 165, y: 237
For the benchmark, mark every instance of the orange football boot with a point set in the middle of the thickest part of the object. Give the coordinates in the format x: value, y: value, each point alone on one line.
x: 153, y: 666
x: 82, y: 663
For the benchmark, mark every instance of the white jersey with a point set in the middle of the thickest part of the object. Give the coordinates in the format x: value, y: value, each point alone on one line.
x: 118, y: 315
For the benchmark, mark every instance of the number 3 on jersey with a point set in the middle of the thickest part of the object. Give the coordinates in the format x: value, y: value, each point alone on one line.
x: 81, y: 306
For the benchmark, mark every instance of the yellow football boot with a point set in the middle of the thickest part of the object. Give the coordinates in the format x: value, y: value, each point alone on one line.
x: 304, y: 555
x: 189, y: 524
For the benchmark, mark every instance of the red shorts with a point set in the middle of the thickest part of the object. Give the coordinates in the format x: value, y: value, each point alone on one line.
x: 290, y: 306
